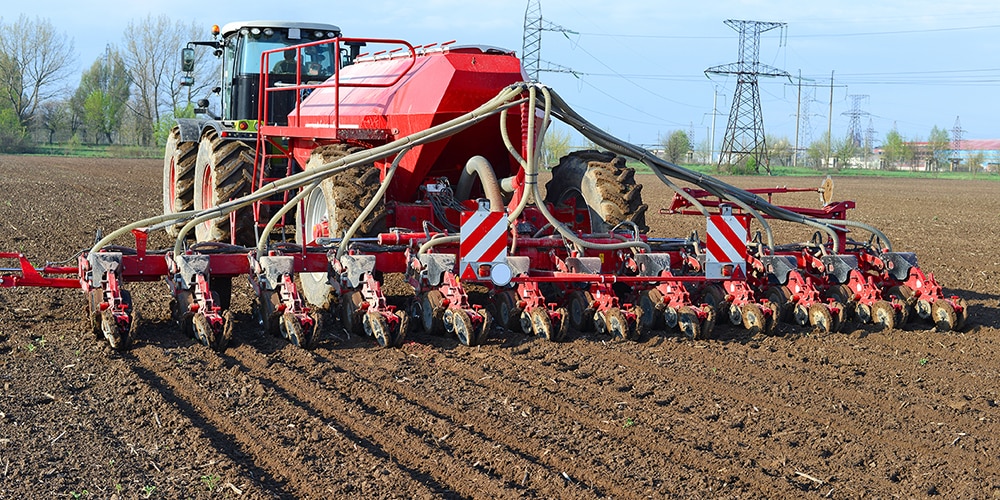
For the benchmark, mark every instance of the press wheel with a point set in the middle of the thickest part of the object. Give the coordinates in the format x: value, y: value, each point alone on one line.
x: 884, y: 315
x: 688, y: 324
x: 820, y: 318
x: 944, y: 316
x: 753, y: 318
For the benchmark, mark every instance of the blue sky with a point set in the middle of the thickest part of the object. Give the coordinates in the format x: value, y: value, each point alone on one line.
x: 640, y: 64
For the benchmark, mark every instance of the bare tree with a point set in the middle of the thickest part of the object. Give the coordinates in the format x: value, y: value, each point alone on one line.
x: 35, y: 61
x: 151, y: 49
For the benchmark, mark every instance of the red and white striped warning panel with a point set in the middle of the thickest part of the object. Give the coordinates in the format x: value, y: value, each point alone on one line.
x: 726, y: 245
x: 483, y: 245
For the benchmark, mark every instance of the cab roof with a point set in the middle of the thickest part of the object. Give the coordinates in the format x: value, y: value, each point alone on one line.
x: 236, y: 26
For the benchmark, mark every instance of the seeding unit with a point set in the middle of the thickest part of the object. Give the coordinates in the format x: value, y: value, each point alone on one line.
x: 424, y: 161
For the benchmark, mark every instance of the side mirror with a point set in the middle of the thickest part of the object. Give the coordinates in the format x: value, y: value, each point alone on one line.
x: 187, y: 81
x: 187, y: 59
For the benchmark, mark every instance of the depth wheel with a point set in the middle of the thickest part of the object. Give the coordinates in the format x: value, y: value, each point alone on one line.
x: 508, y: 314
x: 884, y: 315
x: 378, y: 328
x: 650, y: 315
x: 715, y: 296
x: 202, y: 329
x: 778, y: 297
x: 291, y: 329
x: 580, y: 310
x: 541, y: 323
x: 902, y: 295
x: 707, y: 326
x: 943, y: 315
x: 350, y: 312
x: 430, y: 320
x: 461, y: 326
x: 962, y: 315
x: 688, y: 324
x: 617, y: 327
x: 820, y: 318
x: 753, y: 318
x: 403, y: 330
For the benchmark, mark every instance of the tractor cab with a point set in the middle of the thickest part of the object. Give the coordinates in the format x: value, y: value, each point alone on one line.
x: 241, y: 46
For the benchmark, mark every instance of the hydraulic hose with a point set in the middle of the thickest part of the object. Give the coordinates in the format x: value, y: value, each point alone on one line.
x: 477, y: 166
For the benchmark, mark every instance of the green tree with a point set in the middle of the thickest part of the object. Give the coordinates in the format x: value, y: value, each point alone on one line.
x: 35, y: 60
x: 939, y: 146
x: 895, y: 151
x: 817, y: 154
x: 844, y: 151
x: 676, y: 147
x: 13, y: 135
x: 100, y: 99
x: 555, y: 146
x: 56, y: 119
x: 779, y: 150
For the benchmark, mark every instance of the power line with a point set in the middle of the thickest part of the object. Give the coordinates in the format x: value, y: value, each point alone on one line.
x: 817, y: 35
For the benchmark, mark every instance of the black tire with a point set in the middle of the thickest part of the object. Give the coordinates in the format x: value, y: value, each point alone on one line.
x: 178, y: 176
x: 340, y: 201
x: 223, y: 171
x: 601, y: 182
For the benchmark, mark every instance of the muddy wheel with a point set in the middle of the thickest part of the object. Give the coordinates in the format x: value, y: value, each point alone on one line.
x: 778, y: 296
x: 650, y: 316
x: 508, y: 314
x: 962, y: 315
x: 820, y: 318
x: 461, y: 326
x: 202, y: 329
x: 839, y: 317
x: 291, y: 329
x: 616, y: 325
x: 482, y: 332
x: 801, y: 314
x: 223, y: 171
x: 429, y: 320
x: 541, y: 323
x: 902, y: 295
x: 603, y: 184
x: 707, y: 326
x: 687, y: 323
x: 715, y: 296
x: 118, y: 334
x: 399, y: 336
x: 863, y: 313
x: 944, y: 316
x: 267, y: 304
x: 581, y: 312
x: 883, y: 315
x: 338, y: 202
x: 350, y: 312
x: 562, y: 326
x: 753, y: 318
x: 178, y: 176
x: 93, y: 311
x: 377, y: 327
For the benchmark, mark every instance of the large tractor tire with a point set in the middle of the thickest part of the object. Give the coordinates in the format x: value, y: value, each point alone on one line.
x: 178, y: 176
x: 601, y: 182
x: 223, y: 171
x: 339, y: 202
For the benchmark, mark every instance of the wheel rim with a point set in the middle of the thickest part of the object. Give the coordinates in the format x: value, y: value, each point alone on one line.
x: 883, y: 314
x: 462, y: 326
x: 820, y: 318
x: 687, y: 322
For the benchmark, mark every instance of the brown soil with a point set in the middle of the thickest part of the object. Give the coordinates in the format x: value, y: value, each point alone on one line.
x: 902, y: 413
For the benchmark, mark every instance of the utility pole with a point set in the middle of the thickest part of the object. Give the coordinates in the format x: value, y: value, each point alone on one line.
x: 829, y: 123
x: 798, y: 109
x: 715, y: 111
x: 745, y: 130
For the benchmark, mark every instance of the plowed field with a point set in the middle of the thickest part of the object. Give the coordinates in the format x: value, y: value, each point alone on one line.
x: 904, y: 413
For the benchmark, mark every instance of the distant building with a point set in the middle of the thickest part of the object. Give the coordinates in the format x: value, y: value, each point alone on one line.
x: 975, y: 155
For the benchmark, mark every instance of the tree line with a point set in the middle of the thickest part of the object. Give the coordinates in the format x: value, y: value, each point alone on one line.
x: 128, y: 96
x: 895, y: 151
